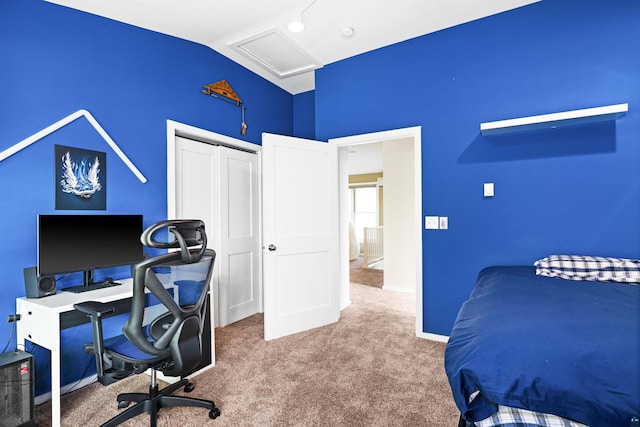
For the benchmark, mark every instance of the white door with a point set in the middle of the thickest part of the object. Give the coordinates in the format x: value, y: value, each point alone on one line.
x: 300, y: 235
x: 239, y: 281
x: 219, y: 185
x: 196, y: 184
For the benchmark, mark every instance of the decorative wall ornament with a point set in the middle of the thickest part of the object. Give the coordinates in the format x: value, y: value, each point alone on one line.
x: 243, y: 126
x: 63, y: 122
x: 223, y: 90
x: 80, y: 178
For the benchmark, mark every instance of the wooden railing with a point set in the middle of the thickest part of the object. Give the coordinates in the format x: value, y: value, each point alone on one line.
x: 373, y: 245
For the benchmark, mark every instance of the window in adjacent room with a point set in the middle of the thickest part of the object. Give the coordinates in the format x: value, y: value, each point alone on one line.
x: 363, y: 208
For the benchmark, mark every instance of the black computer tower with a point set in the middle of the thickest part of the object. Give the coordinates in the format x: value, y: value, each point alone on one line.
x: 16, y: 389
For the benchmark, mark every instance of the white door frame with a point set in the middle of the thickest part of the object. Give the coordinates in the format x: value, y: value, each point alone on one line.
x: 416, y: 134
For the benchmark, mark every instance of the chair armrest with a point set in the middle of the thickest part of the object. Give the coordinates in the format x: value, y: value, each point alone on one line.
x: 94, y: 308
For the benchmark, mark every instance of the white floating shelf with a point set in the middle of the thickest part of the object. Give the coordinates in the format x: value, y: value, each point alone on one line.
x: 554, y: 120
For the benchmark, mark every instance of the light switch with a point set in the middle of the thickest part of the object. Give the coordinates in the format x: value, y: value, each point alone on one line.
x: 444, y: 223
x: 431, y: 223
x: 488, y: 189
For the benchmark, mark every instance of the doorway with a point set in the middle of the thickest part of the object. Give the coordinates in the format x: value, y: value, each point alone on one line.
x: 409, y: 138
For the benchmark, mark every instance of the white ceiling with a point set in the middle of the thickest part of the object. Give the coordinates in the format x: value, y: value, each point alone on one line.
x: 220, y: 23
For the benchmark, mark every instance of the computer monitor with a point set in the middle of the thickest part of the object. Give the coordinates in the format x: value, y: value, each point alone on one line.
x: 83, y: 243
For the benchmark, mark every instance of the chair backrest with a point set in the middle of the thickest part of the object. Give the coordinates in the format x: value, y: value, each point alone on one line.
x: 179, y: 281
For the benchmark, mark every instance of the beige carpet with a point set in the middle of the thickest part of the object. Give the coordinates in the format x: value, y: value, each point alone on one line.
x: 369, y: 369
x: 365, y: 276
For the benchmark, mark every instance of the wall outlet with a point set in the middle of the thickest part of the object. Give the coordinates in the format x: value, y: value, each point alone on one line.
x: 444, y: 223
x: 431, y: 223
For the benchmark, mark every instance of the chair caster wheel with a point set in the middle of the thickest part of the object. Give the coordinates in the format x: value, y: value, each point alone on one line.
x: 189, y: 388
x: 123, y: 404
x: 214, y: 413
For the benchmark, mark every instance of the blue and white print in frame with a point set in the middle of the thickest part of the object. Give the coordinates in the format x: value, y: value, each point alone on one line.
x: 80, y: 179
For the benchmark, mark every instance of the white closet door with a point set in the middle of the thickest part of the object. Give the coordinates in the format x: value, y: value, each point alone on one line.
x: 239, y: 282
x: 197, y: 185
x: 219, y: 185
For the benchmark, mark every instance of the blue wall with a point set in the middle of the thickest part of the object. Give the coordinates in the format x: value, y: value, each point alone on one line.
x: 304, y: 115
x: 575, y: 190
x: 56, y: 61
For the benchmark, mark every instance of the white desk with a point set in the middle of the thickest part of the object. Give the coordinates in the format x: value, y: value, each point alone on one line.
x: 40, y: 323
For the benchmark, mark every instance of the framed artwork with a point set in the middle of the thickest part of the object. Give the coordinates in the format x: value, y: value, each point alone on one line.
x: 80, y: 179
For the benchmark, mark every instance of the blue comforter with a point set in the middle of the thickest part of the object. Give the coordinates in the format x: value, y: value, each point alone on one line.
x: 563, y: 347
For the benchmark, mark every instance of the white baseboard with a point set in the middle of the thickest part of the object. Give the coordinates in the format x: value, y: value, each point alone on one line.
x: 433, y: 337
x: 398, y: 289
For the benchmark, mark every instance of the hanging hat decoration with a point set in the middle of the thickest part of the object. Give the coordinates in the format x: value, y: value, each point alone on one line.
x: 243, y: 127
x: 223, y: 90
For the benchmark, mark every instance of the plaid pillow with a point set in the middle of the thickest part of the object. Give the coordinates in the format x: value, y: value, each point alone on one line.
x: 576, y: 267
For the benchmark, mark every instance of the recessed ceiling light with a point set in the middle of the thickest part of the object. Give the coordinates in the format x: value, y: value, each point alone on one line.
x: 298, y: 26
x: 347, y: 32
x: 295, y: 26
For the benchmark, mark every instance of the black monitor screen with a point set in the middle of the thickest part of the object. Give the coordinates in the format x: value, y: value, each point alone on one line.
x: 70, y: 243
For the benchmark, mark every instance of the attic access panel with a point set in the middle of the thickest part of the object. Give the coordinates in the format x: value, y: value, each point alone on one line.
x: 276, y: 52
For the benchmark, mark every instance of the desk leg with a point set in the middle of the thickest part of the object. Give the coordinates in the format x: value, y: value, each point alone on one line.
x: 41, y: 327
x: 55, y: 378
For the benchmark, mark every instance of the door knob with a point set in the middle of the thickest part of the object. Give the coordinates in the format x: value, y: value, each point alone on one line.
x: 271, y: 247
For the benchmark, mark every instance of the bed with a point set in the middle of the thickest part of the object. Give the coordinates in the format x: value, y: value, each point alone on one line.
x: 557, y: 351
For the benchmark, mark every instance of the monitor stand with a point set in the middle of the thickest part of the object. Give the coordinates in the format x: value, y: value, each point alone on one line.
x: 89, y: 285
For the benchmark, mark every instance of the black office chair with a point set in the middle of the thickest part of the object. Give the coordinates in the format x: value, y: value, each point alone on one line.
x: 176, y: 284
